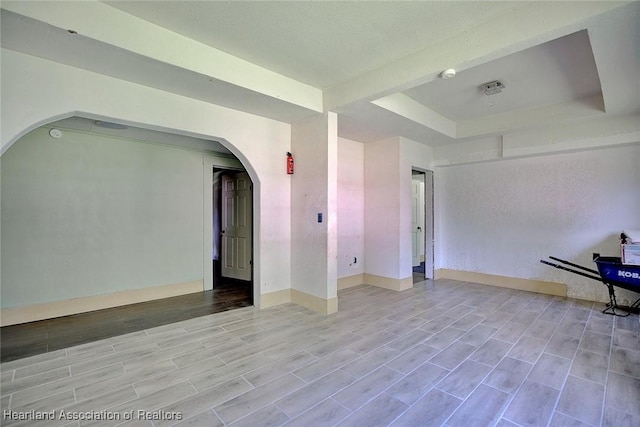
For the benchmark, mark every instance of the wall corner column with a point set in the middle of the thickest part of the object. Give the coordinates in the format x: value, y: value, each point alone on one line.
x: 314, y: 145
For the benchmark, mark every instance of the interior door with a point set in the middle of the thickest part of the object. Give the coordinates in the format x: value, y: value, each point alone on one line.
x: 428, y: 225
x: 416, y: 222
x: 236, y: 233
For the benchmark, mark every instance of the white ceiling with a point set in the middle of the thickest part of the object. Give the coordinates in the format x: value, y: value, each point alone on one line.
x: 557, y: 71
x: 376, y: 64
x: 320, y: 43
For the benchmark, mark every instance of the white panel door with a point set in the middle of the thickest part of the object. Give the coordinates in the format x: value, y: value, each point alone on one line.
x: 236, y: 244
x: 428, y: 228
x: 416, y: 229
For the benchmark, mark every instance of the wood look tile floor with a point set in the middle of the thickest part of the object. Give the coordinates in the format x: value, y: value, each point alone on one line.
x: 443, y: 353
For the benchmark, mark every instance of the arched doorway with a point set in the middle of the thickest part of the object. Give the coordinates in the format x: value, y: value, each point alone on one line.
x: 75, y: 191
x: 113, y: 181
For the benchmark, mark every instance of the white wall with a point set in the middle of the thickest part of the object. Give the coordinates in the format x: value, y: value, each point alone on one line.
x: 413, y: 155
x: 37, y: 91
x: 502, y: 217
x: 387, y: 174
x: 314, y: 146
x: 350, y: 207
x: 382, y: 209
x: 88, y: 215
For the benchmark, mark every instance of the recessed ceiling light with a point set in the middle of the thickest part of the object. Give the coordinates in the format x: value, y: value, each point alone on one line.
x: 448, y: 73
x: 110, y: 125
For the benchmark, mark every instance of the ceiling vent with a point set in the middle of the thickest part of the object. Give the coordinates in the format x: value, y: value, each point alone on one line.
x: 492, y: 88
x: 110, y: 125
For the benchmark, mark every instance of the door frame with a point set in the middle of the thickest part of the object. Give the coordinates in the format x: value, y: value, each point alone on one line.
x: 417, y: 241
x: 210, y: 162
x: 429, y: 221
x: 238, y: 230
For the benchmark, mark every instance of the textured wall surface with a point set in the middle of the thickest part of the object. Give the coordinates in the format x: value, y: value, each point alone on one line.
x: 502, y: 217
x: 382, y: 222
x: 36, y: 91
x: 89, y: 215
x: 313, y: 192
x: 350, y: 207
x: 413, y: 155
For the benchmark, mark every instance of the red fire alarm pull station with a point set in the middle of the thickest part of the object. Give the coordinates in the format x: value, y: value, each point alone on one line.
x: 289, y: 163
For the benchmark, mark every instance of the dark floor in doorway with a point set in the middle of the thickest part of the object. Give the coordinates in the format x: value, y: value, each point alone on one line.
x: 29, y: 339
x: 418, y: 273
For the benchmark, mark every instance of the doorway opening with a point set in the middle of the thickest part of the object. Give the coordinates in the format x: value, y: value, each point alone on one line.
x: 232, y: 230
x: 148, y: 175
x: 422, y: 231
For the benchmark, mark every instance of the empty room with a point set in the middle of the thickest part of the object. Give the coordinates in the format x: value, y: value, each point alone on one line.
x: 320, y: 213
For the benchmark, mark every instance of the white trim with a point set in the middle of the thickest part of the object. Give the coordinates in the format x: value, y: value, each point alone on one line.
x: 350, y: 281
x: 49, y: 310
x: 208, y: 163
x: 388, y: 282
x: 274, y: 298
x: 539, y: 286
x: 315, y: 303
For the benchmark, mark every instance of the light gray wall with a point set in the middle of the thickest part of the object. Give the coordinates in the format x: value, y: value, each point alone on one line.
x: 383, y: 211
x: 89, y: 215
x: 314, y: 244
x: 387, y: 204
x: 36, y: 92
x: 350, y: 207
x: 502, y: 217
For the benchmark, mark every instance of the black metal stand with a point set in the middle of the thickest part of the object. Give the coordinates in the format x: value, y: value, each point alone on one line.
x: 612, y: 306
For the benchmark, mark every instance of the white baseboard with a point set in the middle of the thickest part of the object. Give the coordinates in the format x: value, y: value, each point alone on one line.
x: 315, y: 303
x: 32, y: 313
x: 350, y: 281
x: 388, y: 282
x: 539, y: 286
x: 374, y: 280
x: 274, y: 298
